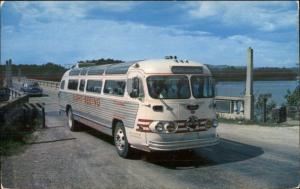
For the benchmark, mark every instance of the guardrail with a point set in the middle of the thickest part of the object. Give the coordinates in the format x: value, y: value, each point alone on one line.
x: 7, y: 94
x: 51, y: 84
x: 15, y: 93
x: 14, y: 104
x: 230, y: 107
x: 10, y: 109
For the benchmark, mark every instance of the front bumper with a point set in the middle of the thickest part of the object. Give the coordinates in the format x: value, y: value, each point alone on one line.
x: 182, y: 145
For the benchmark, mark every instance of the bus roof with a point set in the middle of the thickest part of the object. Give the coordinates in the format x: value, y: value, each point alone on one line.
x: 170, y: 66
x: 155, y: 66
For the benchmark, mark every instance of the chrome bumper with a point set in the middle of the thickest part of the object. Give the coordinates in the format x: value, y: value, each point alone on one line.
x: 181, y: 145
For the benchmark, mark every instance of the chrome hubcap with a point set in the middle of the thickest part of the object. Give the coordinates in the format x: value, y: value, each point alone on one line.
x: 120, y: 140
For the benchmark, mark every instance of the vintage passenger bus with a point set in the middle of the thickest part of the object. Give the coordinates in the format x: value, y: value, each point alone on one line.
x: 149, y: 105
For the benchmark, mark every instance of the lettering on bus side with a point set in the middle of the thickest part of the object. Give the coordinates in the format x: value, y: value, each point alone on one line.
x: 86, y: 100
x: 119, y: 103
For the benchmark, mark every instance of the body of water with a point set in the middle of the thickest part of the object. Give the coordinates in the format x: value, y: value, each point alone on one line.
x: 278, y: 89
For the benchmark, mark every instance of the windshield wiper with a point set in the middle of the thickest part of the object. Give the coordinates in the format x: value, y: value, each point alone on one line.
x: 168, y: 107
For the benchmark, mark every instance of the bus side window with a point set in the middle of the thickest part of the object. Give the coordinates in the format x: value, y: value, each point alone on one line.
x: 62, y: 84
x: 73, y: 84
x: 94, y: 86
x: 114, y: 87
x: 81, y: 85
x: 136, y: 89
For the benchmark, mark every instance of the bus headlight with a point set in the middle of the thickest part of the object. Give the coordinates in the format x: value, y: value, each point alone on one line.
x: 170, y: 127
x: 159, y: 127
x: 163, y: 127
x: 215, y: 123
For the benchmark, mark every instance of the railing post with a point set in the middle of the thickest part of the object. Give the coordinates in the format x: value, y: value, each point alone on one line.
x: 242, y: 107
x: 235, y: 108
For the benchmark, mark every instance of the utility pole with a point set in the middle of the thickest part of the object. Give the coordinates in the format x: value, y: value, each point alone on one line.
x: 8, y: 77
x: 249, y: 98
x: 19, y: 74
x: 2, y: 72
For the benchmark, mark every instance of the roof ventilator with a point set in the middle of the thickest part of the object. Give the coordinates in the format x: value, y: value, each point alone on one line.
x: 175, y: 59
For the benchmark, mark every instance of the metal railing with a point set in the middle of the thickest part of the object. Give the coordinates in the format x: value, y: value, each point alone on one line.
x: 14, y: 93
x: 230, y: 107
x: 50, y: 84
x: 15, y: 97
x: 8, y: 94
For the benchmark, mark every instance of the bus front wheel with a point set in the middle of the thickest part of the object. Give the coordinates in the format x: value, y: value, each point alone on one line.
x: 121, y: 142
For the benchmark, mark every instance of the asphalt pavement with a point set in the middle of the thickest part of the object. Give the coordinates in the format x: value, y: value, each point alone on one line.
x: 247, y: 157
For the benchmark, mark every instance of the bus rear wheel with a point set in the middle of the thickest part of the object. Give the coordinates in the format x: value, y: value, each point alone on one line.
x: 73, y: 125
x: 121, y: 143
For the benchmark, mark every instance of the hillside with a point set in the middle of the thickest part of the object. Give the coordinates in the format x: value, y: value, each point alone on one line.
x: 238, y: 73
x: 54, y: 72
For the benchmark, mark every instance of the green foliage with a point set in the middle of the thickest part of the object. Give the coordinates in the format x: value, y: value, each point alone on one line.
x: 10, y: 146
x: 13, y: 137
x: 238, y: 73
x: 53, y: 72
x: 49, y: 71
x: 271, y: 105
x: 259, y: 107
x: 102, y: 61
x: 293, y: 98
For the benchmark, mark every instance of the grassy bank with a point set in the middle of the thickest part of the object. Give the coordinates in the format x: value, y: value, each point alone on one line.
x: 13, y: 137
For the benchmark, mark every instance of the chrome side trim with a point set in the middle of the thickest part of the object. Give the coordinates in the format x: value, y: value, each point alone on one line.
x: 94, y: 125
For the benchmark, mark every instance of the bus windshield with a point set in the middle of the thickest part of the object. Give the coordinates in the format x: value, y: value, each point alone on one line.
x: 168, y: 87
x: 202, y: 87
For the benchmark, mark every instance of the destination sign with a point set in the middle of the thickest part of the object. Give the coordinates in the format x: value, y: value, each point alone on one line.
x: 187, y: 69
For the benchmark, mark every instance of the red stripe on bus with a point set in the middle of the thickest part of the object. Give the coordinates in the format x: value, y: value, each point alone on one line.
x: 143, y: 125
x: 145, y: 120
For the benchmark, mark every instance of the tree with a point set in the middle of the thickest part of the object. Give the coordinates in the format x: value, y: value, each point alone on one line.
x: 293, y: 98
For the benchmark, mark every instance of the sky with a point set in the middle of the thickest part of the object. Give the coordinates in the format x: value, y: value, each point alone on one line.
x: 209, y: 32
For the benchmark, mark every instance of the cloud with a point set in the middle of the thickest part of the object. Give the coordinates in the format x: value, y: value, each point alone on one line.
x: 266, y: 16
x: 33, y: 12
x: 57, y: 32
x: 64, y: 43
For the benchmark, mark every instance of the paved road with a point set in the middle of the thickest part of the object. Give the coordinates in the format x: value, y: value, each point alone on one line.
x: 247, y: 157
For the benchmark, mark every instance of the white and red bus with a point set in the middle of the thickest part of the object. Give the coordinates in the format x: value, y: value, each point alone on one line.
x: 150, y: 105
